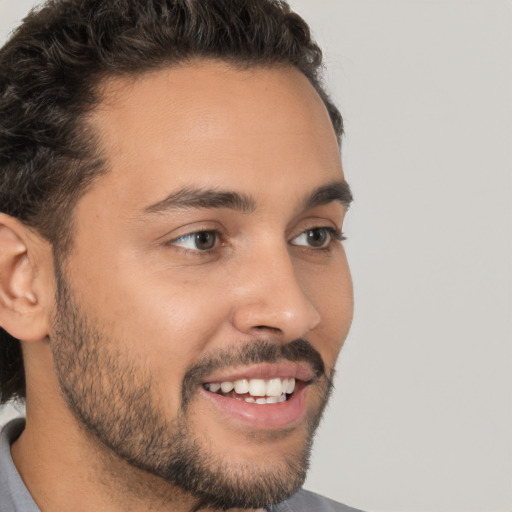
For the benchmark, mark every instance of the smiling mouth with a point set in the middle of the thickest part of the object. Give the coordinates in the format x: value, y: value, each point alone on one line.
x: 256, y: 391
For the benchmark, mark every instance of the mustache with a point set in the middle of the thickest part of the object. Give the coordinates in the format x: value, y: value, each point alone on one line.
x: 253, y: 352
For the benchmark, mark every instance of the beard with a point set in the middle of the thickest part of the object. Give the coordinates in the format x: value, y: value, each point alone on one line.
x: 113, y: 398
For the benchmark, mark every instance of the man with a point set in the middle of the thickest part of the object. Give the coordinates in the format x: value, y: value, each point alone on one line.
x: 174, y: 291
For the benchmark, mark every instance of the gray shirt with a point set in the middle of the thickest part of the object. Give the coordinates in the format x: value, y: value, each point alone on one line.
x: 14, y: 496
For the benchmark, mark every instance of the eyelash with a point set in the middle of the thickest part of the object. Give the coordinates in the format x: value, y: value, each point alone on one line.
x: 335, y: 235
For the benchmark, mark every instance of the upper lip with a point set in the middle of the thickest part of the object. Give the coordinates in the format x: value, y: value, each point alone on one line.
x: 283, y: 369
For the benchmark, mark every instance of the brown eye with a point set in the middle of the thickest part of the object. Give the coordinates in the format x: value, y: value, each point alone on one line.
x: 317, y: 237
x: 205, y: 240
x: 198, y: 241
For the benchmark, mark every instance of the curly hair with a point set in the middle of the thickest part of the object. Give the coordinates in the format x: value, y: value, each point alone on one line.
x: 50, y: 72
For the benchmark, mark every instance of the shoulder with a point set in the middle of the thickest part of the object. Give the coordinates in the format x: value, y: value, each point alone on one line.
x: 14, y: 496
x: 307, y: 501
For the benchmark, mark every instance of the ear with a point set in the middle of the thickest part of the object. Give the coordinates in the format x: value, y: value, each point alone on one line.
x: 26, y: 289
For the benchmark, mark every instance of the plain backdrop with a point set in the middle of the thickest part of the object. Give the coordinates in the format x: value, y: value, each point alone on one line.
x: 421, y: 420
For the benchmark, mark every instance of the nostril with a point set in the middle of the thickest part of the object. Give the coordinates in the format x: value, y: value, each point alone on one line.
x: 267, y: 328
x: 275, y: 317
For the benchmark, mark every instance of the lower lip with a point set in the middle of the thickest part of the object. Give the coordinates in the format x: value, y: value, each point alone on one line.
x: 286, y: 414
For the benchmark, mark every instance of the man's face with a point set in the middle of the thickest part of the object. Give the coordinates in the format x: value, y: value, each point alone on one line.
x: 208, y: 255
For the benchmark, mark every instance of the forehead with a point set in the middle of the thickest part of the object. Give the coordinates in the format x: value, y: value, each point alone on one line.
x: 210, y: 123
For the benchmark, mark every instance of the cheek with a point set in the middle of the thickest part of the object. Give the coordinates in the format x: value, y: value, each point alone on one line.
x: 179, y: 323
x: 330, y: 290
x: 162, y: 320
x: 175, y: 318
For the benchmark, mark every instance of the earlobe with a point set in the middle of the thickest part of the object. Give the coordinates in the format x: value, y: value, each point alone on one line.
x: 22, y: 309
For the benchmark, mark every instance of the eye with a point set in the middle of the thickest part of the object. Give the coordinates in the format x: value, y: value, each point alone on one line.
x: 317, y: 238
x: 198, y: 241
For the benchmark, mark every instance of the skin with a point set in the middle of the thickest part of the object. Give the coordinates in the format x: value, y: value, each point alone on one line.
x: 164, y: 304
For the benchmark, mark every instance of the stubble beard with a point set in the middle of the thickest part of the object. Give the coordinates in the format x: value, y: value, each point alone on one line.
x: 113, y: 399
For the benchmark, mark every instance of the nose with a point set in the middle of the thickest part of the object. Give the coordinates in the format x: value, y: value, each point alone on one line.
x: 270, y: 298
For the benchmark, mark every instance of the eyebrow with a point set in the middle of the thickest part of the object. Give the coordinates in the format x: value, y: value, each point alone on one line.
x: 193, y: 198
x: 334, y: 191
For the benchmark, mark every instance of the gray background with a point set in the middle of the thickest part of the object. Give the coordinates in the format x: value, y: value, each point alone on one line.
x: 422, y: 416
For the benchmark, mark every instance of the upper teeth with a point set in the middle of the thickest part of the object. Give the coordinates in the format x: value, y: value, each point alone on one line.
x: 255, y: 387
